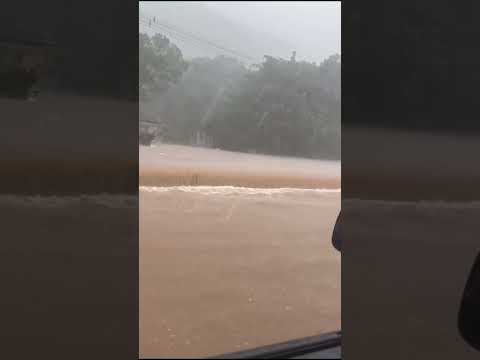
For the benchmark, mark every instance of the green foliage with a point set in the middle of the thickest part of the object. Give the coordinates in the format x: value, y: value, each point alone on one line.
x: 160, y: 65
x: 280, y: 107
x: 285, y: 108
x: 187, y: 106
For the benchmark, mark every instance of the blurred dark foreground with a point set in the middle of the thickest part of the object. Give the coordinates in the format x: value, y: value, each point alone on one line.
x: 65, y: 144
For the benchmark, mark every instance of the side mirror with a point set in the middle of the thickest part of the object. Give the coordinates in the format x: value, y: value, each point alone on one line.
x: 469, y: 315
x: 337, y: 234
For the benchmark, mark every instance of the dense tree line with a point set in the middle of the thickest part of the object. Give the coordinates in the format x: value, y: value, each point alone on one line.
x: 284, y: 107
x: 281, y: 107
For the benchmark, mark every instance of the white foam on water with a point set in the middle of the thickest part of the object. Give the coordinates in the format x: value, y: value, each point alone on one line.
x: 234, y: 190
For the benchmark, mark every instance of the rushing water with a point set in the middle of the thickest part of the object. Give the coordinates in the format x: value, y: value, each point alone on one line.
x: 234, y: 190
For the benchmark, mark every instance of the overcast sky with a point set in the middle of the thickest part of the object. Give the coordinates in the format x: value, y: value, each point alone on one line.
x: 313, y: 27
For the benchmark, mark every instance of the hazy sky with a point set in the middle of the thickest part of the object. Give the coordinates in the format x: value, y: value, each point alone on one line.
x: 313, y: 27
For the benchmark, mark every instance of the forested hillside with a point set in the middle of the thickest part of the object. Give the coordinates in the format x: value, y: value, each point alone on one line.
x: 279, y: 106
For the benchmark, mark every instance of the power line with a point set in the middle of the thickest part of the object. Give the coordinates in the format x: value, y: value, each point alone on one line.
x: 175, y: 36
x: 170, y: 33
x: 200, y: 39
x: 198, y: 45
x: 192, y: 38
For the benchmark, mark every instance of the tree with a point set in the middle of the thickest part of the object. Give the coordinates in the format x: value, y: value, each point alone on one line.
x: 280, y: 107
x: 283, y: 107
x: 161, y: 64
x: 188, y: 105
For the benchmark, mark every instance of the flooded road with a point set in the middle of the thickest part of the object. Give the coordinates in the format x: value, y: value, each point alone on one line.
x: 228, y: 268
x: 170, y: 165
x: 242, y: 258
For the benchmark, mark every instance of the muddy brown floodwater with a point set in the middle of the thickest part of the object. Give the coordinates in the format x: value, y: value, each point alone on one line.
x: 166, y: 165
x: 230, y: 268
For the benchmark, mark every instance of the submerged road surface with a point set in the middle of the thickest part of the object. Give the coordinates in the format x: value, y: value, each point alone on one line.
x: 227, y: 268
